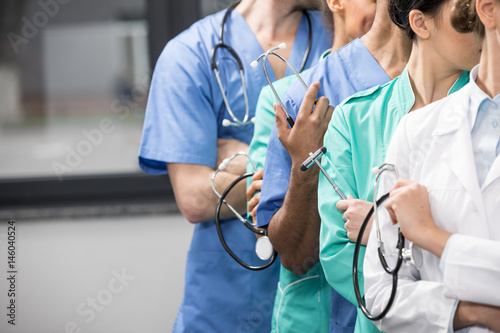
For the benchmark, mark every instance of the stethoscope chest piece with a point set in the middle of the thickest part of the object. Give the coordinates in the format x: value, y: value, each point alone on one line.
x: 413, y: 255
x: 263, y: 248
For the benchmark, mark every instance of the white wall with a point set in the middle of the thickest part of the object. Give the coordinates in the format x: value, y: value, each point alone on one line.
x: 64, y: 265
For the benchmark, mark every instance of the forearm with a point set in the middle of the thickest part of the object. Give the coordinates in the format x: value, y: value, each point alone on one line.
x: 294, y: 228
x: 419, y: 306
x: 433, y: 240
x: 195, y: 197
x: 468, y: 314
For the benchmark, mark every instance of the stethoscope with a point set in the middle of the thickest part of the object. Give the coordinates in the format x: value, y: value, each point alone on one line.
x: 412, y: 255
x: 263, y: 247
x: 246, y: 121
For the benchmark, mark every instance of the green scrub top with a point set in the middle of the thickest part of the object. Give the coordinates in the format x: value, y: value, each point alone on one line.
x: 357, y: 140
x: 300, y: 300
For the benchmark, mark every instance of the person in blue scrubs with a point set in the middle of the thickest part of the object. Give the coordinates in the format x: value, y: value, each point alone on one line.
x: 288, y: 202
x: 184, y: 136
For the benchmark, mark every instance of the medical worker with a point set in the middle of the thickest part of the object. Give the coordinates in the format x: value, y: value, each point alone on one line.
x: 447, y: 203
x: 184, y: 136
x: 288, y: 203
x: 303, y: 302
x: 362, y: 126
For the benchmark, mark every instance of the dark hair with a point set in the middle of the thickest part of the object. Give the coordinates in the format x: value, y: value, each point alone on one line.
x: 464, y: 17
x: 399, y: 11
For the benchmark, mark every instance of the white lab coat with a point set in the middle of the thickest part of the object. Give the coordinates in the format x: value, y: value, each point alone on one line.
x: 433, y: 146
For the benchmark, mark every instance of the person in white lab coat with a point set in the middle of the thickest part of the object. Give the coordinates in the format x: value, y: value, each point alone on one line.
x: 446, y: 202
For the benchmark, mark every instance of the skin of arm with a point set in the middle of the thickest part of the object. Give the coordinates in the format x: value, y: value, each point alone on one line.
x: 192, y: 184
x: 294, y: 228
x: 469, y: 314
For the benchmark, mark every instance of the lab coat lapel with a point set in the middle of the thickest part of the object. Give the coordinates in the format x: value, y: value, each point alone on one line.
x: 493, y: 174
x: 453, y: 138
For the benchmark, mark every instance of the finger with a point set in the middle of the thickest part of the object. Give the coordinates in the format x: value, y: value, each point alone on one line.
x: 349, y: 197
x: 253, y: 214
x: 402, y: 182
x: 322, y: 107
x: 258, y: 175
x: 309, y: 100
x: 254, y: 202
x: 281, y: 123
x: 390, y: 209
x: 329, y: 114
x: 254, y: 187
x: 344, y: 217
x: 343, y: 204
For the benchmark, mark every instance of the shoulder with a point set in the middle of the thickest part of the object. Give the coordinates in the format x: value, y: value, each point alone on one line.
x: 369, y: 95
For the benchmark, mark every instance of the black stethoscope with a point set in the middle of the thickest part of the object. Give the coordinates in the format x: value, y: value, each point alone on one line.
x: 263, y: 247
x: 221, y: 45
x: 413, y: 255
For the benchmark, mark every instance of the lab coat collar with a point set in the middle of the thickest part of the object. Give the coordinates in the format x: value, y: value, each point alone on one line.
x: 452, y: 134
x: 452, y: 118
x: 478, y: 96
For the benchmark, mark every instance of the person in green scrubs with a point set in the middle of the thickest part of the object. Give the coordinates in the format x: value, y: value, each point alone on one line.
x: 303, y: 301
x: 362, y: 126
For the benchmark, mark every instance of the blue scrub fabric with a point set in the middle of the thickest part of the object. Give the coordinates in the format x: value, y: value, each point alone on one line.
x: 183, y: 122
x: 343, y: 73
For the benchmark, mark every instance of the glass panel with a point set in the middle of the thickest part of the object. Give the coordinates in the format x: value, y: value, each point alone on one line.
x: 74, y: 77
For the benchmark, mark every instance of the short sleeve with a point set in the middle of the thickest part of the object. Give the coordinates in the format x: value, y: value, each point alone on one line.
x: 180, y: 124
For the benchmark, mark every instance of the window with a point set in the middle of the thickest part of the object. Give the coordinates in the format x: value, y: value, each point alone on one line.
x: 74, y: 79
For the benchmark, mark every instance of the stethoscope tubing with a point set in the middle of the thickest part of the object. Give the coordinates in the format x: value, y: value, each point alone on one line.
x: 235, y: 121
x: 394, y: 272
x: 245, y: 222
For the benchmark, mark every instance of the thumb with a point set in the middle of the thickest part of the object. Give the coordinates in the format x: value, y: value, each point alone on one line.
x: 350, y: 196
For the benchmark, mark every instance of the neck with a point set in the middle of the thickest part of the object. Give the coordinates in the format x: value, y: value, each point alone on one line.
x: 340, y: 36
x: 431, y: 79
x: 387, y: 43
x: 272, y: 18
x: 488, y: 78
x: 273, y: 22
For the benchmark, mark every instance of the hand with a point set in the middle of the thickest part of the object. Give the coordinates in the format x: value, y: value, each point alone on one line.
x: 253, y: 198
x: 468, y: 314
x: 408, y: 205
x: 307, y: 134
x: 227, y: 148
x: 355, y: 211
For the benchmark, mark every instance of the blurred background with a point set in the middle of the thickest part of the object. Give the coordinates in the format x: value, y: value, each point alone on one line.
x: 101, y: 247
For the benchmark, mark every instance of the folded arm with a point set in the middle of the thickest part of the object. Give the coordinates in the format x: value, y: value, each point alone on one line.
x: 192, y: 184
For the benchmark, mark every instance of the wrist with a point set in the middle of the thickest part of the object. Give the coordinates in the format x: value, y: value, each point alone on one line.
x: 465, y: 315
x: 433, y: 239
x: 309, y: 176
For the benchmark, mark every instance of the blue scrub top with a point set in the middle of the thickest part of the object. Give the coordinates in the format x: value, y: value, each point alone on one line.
x: 343, y: 73
x: 183, y: 121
